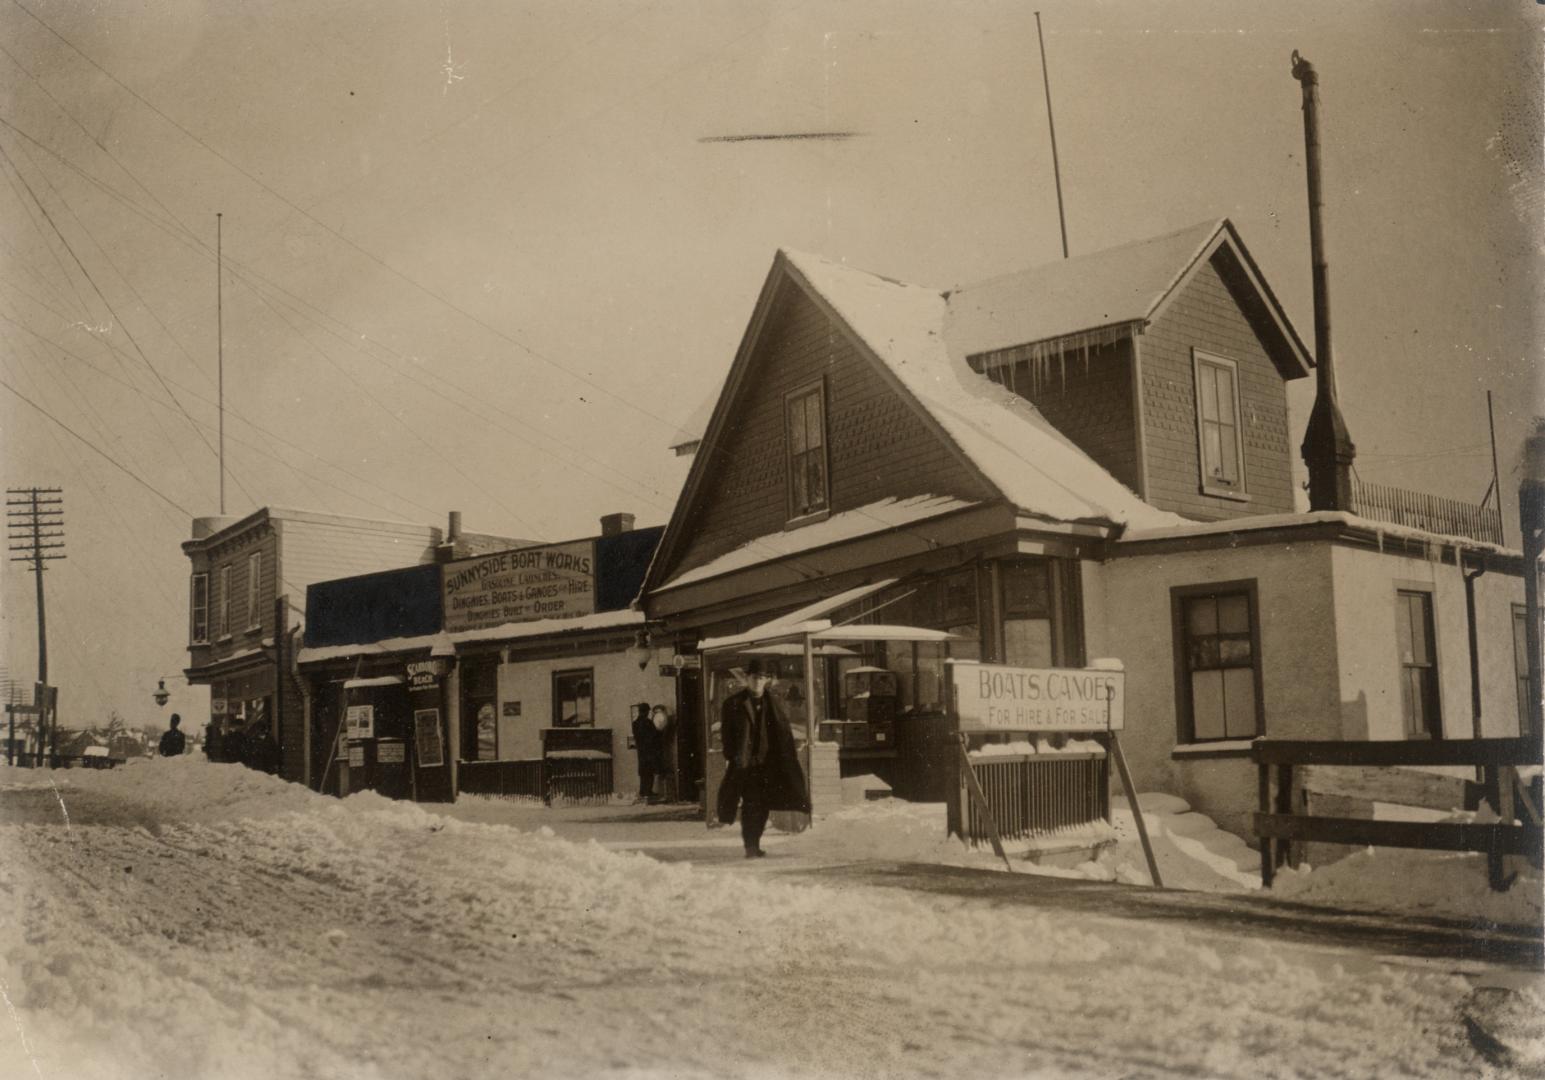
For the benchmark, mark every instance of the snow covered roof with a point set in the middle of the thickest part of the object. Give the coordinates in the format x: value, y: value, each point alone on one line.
x: 1255, y: 522
x: 1017, y: 450
x: 601, y: 620
x: 1114, y: 287
x: 848, y: 525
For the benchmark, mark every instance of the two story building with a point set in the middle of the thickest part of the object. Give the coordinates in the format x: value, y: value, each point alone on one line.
x: 246, y: 605
x: 1088, y: 459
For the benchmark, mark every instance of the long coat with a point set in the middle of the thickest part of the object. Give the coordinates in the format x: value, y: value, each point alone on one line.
x: 783, y: 779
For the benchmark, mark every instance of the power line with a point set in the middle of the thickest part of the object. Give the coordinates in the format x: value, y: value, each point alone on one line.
x: 103, y: 453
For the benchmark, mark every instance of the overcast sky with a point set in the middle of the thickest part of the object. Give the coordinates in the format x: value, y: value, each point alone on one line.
x: 478, y: 257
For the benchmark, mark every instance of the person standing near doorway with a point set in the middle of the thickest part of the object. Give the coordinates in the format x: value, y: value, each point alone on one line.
x: 763, y: 763
x: 650, y: 747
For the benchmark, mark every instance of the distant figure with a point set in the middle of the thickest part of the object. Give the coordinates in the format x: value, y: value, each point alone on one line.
x: 651, y: 751
x: 764, y: 773
x: 212, y: 741
x: 173, y: 742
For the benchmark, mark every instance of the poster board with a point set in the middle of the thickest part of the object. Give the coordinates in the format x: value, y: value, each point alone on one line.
x: 359, y: 722
x: 426, y: 737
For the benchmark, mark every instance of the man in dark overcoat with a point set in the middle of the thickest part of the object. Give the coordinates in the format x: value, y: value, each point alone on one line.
x: 650, y: 744
x: 763, y: 762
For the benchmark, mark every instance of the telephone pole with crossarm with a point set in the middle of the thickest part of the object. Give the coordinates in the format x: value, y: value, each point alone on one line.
x: 35, y: 528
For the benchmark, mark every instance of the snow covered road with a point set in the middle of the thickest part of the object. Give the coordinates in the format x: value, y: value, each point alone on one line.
x: 192, y: 920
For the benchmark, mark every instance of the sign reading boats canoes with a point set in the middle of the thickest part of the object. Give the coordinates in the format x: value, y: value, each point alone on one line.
x: 991, y: 697
x: 552, y: 582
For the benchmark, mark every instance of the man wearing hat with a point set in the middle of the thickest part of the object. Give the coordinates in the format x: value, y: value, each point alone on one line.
x: 651, y: 751
x: 763, y: 763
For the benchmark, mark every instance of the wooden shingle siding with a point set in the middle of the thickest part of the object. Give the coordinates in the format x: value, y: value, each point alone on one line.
x: 878, y: 446
x: 1207, y: 315
x: 321, y: 551
x: 1086, y: 395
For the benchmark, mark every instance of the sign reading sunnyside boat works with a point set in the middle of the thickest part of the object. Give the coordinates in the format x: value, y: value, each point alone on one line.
x: 553, y: 582
x: 991, y: 697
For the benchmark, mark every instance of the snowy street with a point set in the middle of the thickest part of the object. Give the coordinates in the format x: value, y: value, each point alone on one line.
x: 180, y: 919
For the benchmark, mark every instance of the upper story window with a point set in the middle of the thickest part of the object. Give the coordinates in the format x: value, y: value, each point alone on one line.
x: 805, y: 421
x: 1221, y: 449
x: 1418, y: 664
x: 1217, y: 661
x: 254, y: 591
x: 223, y: 625
x: 198, y: 610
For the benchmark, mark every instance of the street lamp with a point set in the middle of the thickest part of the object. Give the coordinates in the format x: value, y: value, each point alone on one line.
x: 161, y: 695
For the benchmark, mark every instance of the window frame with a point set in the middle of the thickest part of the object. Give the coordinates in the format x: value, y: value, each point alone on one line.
x: 797, y: 515
x: 223, y: 630
x: 1434, y: 689
x: 557, y: 715
x: 477, y: 684
x: 1521, y: 665
x: 197, y: 610
x: 1239, y: 491
x: 254, y: 589
x: 1185, y: 715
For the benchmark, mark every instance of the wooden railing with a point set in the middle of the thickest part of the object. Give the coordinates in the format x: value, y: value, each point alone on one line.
x: 1036, y: 794
x: 1281, y: 822
x: 1430, y: 513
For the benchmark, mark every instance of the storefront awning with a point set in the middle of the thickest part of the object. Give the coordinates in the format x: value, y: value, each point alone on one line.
x: 381, y: 680
x: 818, y: 631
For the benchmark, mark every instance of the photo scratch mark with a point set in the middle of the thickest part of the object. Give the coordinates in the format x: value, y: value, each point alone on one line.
x: 62, y: 808
x: 21, y: 1032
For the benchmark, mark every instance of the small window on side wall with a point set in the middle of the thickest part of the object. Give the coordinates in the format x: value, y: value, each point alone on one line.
x: 1220, y: 446
x: 1415, y: 640
x: 805, y: 428
x: 1217, y: 662
x: 574, y: 698
x: 198, y: 615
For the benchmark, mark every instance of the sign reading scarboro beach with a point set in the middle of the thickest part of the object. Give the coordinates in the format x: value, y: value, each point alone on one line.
x: 552, y: 582
x: 991, y: 697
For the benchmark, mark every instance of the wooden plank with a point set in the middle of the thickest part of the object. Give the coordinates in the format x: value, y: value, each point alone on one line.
x: 1435, y: 836
x: 1391, y: 785
x: 1513, y: 751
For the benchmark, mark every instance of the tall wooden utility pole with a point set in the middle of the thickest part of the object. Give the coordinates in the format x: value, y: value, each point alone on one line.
x: 35, y: 528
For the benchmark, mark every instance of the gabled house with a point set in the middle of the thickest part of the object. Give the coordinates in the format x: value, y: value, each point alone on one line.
x: 1088, y: 459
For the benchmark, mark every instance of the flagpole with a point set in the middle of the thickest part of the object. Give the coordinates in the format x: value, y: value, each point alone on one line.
x: 1051, y: 126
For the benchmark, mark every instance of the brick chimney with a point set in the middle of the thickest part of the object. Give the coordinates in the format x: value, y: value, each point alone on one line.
x: 616, y: 524
x: 446, y: 550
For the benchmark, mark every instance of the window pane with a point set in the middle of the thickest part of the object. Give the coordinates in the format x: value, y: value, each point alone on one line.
x: 1203, y: 654
x: 1027, y: 642
x: 1239, y: 702
x: 815, y: 427
x: 1209, y: 384
x: 1234, y: 652
x: 1225, y: 402
x: 815, y: 483
x: 1403, y: 637
x: 960, y: 598
x: 797, y: 443
x: 1234, y: 614
x: 1228, y: 455
x: 1026, y: 589
x: 1212, y: 450
x: 1201, y: 615
x: 487, y: 732
x: 797, y: 477
x: 1207, y: 705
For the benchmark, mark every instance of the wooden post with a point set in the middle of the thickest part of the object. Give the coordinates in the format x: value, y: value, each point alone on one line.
x: 1284, y: 852
x: 810, y: 723
x: 1137, y: 811
x: 981, y: 801
x: 1268, y: 862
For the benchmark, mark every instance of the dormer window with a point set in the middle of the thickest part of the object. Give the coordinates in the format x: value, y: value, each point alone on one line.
x: 805, y: 421
x: 1221, y: 450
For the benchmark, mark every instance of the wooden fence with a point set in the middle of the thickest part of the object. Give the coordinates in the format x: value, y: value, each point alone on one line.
x: 1430, y: 513
x: 1281, y: 821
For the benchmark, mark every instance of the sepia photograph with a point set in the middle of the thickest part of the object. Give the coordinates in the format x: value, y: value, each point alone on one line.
x: 753, y: 540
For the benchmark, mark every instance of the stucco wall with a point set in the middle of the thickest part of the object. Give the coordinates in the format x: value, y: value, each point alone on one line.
x: 619, y: 684
x: 1365, y: 585
x: 1128, y: 616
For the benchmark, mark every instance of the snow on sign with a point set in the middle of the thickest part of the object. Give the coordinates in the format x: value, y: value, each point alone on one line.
x: 359, y: 721
x: 991, y: 697
x: 552, y: 582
